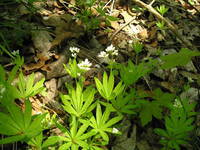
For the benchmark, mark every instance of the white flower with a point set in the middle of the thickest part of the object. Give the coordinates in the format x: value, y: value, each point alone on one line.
x: 177, y: 103
x: 2, y: 89
x: 115, y: 52
x: 85, y: 65
x: 74, y: 51
x: 103, y: 54
x: 74, y: 55
x: 130, y: 41
x: 110, y: 48
x: 115, y: 130
x: 15, y: 53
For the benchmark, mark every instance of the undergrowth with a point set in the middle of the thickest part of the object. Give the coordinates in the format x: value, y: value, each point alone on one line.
x: 95, y: 111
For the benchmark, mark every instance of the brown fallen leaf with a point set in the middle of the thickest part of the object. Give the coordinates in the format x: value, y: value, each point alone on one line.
x: 143, y: 34
x: 62, y: 36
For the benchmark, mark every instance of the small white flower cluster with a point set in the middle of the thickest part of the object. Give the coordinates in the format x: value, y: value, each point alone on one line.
x: 177, y: 103
x: 15, y: 53
x: 85, y: 65
x: 2, y: 90
x: 110, y: 50
x: 115, y: 130
x: 74, y: 51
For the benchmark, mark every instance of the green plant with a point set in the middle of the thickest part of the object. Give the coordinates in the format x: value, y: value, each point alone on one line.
x: 27, y: 88
x: 124, y: 103
x: 19, y: 125
x: 106, y: 89
x: 161, y: 25
x: 178, y: 125
x: 79, y: 102
x: 162, y: 9
x: 38, y: 142
x: 90, y: 19
x: 77, y: 135
x: 131, y: 73
x: 178, y: 59
x: 81, y: 135
x: 137, y: 46
x: 102, y: 123
x: 73, y: 70
x: 154, y: 108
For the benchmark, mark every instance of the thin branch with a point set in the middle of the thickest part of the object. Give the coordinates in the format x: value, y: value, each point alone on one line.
x: 116, y: 32
x: 106, y: 4
x: 187, y: 2
x: 152, y: 2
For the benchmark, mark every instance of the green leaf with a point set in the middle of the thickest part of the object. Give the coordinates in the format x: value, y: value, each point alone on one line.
x: 110, y: 84
x: 11, y: 139
x: 87, y: 135
x: 35, y: 127
x: 98, y: 114
x: 105, y: 84
x: 106, y: 88
x: 161, y: 132
x: 178, y: 126
x: 8, y: 129
x: 13, y: 73
x: 149, y: 109
x: 8, y: 122
x: 52, y: 140
x: 27, y: 87
x: 27, y: 113
x: 146, y: 114
x: 104, y: 135
x: 29, y: 84
x: 16, y: 114
x: 35, y: 141
x: 178, y: 59
x: 132, y: 73
x: 102, y: 122
x: 2, y: 74
x: 111, y: 18
x: 99, y: 86
x: 65, y: 146
x: 113, y: 121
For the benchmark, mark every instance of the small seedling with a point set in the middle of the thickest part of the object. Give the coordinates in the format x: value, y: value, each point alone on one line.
x: 162, y: 9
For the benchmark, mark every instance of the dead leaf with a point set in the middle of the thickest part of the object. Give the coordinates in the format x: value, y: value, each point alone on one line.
x: 168, y: 86
x: 115, y: 24
x: 41, y: 40
x: 126, y: 16
x: 51, y: 87
x: 143, y: 34
x: 65, y: 26
x: 62, y: 36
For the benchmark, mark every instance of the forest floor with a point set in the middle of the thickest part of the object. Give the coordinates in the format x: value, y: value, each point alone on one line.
x: 44, y: 33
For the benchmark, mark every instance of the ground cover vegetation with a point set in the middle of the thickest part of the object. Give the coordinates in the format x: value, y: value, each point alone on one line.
x: 95, y: 75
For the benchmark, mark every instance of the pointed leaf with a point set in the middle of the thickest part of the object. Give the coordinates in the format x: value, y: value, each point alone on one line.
x: 11, y: 139
x: 27, y: 113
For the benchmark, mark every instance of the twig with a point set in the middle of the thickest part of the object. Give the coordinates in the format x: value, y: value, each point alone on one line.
x: 112, y: 6
x: 152, y: 2
x: 127, y: 23
x: 187, y: 2
x: 169, y: 24
x: 106, y: 4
